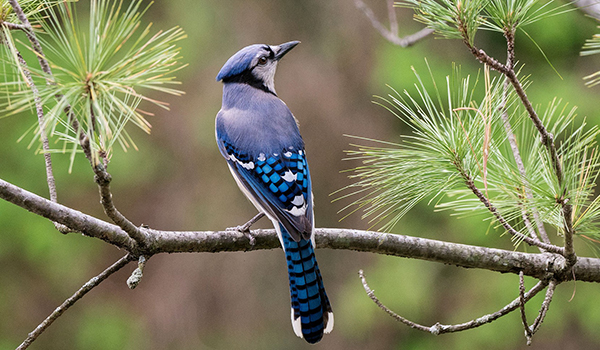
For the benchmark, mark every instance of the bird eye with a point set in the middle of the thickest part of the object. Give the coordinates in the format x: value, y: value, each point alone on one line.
x: 262, y: 60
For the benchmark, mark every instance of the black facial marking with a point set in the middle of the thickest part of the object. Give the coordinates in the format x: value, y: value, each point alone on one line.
x: 271, y: 53
x: 247, y: 77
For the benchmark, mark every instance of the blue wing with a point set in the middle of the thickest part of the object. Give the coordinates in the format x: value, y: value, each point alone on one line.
x: 279, y: 183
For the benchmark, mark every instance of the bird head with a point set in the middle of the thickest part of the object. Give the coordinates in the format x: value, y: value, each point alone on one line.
x: 255, y: 65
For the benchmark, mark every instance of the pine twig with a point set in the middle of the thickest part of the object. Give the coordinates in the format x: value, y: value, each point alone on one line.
x: 391, y: 34
x: 94, y: 282
x: 37, y: 47
x: 545, y: 305
x: 438, y: 328
x: 589, y: 7
x: 393, y: 18
x: 102, y: 177
x: 40, y: 114
x: 15, y: 26
x: 547, y: 140
x: 522, y: 302
x: 529, y: 240
x: 510, y: 62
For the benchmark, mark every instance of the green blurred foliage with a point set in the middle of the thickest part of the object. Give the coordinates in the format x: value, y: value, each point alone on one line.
x: 178, y: 181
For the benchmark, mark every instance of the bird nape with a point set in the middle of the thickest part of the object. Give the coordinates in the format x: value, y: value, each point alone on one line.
x: 259, y: 137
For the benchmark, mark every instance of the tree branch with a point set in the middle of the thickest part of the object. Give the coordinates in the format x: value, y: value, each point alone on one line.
x: 539, y: 266
x: 73, y: 219
x: 89, y: 285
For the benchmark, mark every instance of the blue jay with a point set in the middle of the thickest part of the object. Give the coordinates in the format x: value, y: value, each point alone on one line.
x: 259, y: 137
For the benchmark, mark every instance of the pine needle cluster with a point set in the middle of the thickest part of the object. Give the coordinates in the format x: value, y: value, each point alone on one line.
x: 103, y: 68
x: 459, y: 146
x: 592, y: 47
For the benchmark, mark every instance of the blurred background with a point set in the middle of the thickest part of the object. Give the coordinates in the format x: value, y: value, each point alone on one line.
x: 178, y: 181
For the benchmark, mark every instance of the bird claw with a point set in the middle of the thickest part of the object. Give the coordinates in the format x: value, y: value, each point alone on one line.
x: 245, y: 230
x: 250, y: 237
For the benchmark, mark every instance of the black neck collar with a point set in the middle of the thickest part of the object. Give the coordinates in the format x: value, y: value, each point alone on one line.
x: 248, y: 78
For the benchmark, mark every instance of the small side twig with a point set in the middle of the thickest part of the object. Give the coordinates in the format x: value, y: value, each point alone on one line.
x: 393, y: 18
x: 528, y: 332
x: 399, y: 318
x: 40, y: 114
x: 37, y: 47
x: 391, y: 34
x: 43, y: 136
x: 545, y: 305
x: 95, y: 281
x: 103, y: 179
x: 568, y: 227
x: 15, y: 26
x: 510, y: 62
x: 438, y: 328
x: 533, y: 241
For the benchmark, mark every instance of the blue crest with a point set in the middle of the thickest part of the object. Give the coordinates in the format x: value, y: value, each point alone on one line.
x: 239, y: 62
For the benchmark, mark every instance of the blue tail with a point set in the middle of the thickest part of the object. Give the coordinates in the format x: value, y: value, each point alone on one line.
x: 311, y: 311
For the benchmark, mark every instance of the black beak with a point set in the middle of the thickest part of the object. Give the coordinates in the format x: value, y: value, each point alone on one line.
x: 284, y: 48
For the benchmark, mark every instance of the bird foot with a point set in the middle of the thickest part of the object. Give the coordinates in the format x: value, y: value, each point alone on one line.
x: 245, y: 228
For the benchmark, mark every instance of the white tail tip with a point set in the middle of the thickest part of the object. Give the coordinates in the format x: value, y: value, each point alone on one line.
x: 329, y: 325
x: 297, y: 325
